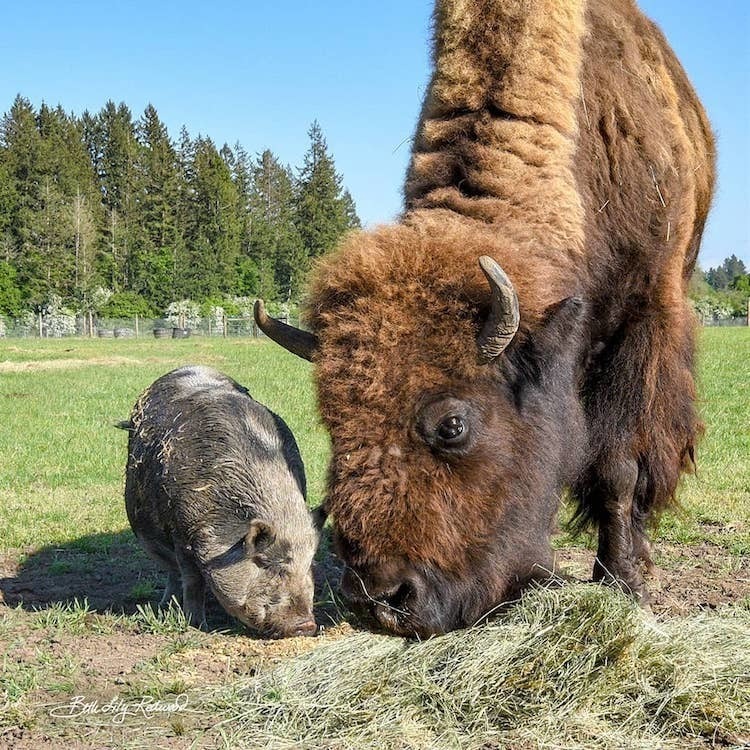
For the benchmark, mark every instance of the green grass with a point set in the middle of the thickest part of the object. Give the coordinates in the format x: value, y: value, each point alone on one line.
x: 580, y: 667
x: 716, y: 502
x: 62, y: 461
x: 61, y: 473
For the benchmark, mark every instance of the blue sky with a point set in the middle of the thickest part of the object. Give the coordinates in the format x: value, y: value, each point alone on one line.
x: 260, y: 72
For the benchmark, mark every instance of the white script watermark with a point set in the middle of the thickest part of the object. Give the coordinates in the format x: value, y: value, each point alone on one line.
x: 118, y: 709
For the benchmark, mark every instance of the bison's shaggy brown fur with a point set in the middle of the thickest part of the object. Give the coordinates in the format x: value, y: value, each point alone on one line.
x: 564, y: 140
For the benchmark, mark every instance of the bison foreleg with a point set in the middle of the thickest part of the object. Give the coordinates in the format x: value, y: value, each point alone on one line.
x: 622, y: 543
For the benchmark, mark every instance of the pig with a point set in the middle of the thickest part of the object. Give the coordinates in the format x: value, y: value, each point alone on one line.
x: 215, y: 492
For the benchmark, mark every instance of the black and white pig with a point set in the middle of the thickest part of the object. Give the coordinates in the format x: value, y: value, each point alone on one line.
x: 215, y: 492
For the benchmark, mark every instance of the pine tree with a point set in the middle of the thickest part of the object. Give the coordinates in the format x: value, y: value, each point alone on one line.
x: 103, y: 199
x: 323, y: 211
x: 22, y: 145
x: 212, y: 231
x: 275, y: 243
x: 116, y: 167
x: 159, y: 241
x: 734, y: 267
x: 8, y: 210
x: 350, y: 210
x: 71, y: 204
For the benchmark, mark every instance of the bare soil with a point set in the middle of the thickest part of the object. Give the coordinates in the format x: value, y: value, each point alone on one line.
x: 685, y: 578
x: 128, y: 662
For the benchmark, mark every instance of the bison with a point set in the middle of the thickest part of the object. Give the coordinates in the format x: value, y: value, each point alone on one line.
x: 523, y: 329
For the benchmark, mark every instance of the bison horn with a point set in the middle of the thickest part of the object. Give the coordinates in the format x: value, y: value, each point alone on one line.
x: 502, y: 323
x: 301, y: 343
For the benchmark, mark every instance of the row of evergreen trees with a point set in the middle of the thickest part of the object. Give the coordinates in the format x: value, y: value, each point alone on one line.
x: 105, y: 200
x: 721, y: 292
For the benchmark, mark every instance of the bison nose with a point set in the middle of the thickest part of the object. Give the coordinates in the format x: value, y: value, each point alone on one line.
x: 390, y: 602
x: 360, y: 589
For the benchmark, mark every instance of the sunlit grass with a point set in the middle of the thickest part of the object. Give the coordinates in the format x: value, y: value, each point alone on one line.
x: 62, y: 461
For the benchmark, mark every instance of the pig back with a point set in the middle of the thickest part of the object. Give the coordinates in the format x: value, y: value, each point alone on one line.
x: 201, y: 452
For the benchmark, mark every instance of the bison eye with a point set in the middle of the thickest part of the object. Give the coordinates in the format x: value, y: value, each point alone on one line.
x: 450, y: 429
x: 447, y: 425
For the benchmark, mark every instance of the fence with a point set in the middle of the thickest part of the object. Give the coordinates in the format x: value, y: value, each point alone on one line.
x: 740, y: 320
x: 136, y: 327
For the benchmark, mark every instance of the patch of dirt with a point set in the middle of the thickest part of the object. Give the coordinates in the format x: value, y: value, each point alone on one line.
x: 126, y: 665
x: 36, y: 578
x: 685, y: 578
x: 67, y: 364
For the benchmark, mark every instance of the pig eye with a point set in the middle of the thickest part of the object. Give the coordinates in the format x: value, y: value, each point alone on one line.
x: 451, y: 429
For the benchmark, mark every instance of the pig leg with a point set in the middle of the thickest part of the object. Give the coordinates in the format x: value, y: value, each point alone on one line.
x: 172, y: 589
x: 163, y: 553
x: 193, y: 591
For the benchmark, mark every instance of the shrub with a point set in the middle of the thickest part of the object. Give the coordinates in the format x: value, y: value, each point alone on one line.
x: 57, y: 320
x: 126, y: 305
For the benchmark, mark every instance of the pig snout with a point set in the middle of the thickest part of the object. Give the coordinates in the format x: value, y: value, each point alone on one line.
x: 306, y: 626
x: 302, y: 626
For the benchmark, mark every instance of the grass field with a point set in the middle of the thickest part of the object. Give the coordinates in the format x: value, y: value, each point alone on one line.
x: 64, y: 536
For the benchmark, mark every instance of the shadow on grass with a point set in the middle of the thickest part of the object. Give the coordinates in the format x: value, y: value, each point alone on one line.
x: 114, y: 575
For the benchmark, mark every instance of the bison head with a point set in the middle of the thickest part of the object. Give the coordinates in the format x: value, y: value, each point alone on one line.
x: 452, y: 420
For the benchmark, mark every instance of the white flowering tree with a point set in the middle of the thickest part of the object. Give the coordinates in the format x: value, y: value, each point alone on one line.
x: 216, y: 317
x: 711, y: 309
x: 27, y: 323
x: 99, y: 297
x: 57, y: 320
x: 244, y: 310
x: 183, y: 314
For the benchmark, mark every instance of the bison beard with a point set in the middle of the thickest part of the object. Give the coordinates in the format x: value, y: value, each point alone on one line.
x: 562, y: 140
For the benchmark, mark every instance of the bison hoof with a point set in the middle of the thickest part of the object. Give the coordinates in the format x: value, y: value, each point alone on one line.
x: 628, y: 580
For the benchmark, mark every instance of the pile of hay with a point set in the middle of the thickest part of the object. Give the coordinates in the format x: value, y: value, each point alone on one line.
x: 576, y: 667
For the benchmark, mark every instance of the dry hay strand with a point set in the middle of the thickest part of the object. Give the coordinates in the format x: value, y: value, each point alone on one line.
x: 572, y: 667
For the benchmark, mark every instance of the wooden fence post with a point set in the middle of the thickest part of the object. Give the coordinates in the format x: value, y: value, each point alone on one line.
x: 224, y: 326
x: 136, y: 325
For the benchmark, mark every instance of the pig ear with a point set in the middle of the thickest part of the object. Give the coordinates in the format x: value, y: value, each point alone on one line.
x: 260, y: 536
x: 319, y: 516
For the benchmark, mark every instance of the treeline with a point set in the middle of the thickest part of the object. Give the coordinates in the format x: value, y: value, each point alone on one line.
x: 723, y: 291
x: 106, y: 201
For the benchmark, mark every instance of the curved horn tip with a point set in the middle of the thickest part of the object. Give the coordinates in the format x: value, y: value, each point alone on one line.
x: 299, y: 342
x: 493, y: 271
x: 504, y: 317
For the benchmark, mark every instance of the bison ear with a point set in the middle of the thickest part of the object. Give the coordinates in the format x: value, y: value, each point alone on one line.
x: 260, y: 536
x: 561, y: 324
x: 551, y: 347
